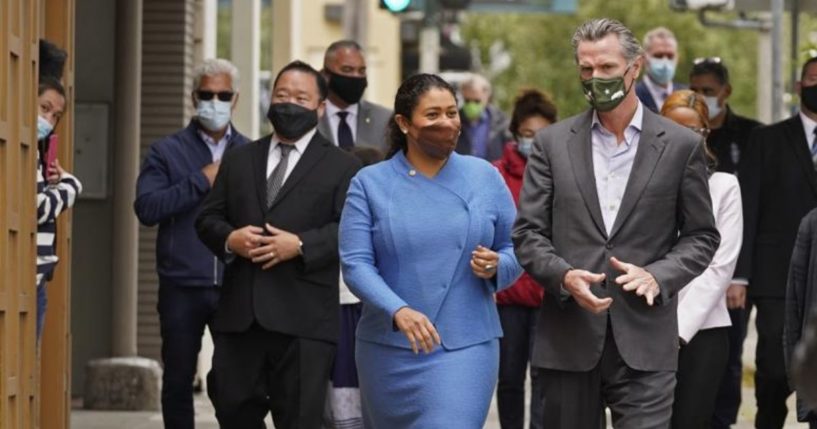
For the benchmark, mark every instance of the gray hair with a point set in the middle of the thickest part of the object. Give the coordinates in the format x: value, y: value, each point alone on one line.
x: 659, y: 33
x: 598, y: 29
x: 478, y: 82
x: 214, y: 67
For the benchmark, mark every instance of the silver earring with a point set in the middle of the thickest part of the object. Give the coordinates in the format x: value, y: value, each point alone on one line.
x: 404, y: 131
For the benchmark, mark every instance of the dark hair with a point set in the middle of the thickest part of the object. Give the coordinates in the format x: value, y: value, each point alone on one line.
x: 367, y: 155
x: 47, y: 83
x: 692, y: 100
x: 408, y: 95
x: 717, y: 69
x: 338, y: 45
x: 529, y: 103
x: 808, y: 62
x: 52, y: 60
x: 303, y: 67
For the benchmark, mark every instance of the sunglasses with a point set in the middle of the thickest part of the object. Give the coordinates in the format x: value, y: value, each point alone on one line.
x: 208, y: 95
x: 707, y: 60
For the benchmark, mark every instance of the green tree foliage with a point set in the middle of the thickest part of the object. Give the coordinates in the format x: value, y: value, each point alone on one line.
x: 543, y: 57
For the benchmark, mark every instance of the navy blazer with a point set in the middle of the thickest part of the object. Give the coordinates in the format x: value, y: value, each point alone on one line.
x: 645, y: 96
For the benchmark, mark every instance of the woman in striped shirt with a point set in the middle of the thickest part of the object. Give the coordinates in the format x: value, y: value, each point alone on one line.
x: 57, y: 190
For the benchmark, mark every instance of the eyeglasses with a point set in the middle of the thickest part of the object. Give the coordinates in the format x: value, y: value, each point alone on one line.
x: 707, y: 60
x: 702, y: 131
x: 208, y: 95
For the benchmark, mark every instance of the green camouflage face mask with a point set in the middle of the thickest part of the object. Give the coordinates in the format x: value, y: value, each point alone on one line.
x: 472, y: 110
x: 605, y: 94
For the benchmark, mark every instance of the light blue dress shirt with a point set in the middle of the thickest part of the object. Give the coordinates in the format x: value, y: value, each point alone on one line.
x: 612, y: 163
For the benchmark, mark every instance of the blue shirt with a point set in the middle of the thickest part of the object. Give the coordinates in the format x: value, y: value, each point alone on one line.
x: 480, y: 132
x: 217, y: 147
x: 612, y: 163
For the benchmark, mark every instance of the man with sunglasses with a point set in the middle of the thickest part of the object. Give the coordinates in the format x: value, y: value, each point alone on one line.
x: 351, y: 121
x: 177, y: 174
x: 484, y: 126
x: 729, y: 135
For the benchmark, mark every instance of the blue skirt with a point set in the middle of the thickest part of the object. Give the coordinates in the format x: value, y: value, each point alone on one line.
x: 442, y: 390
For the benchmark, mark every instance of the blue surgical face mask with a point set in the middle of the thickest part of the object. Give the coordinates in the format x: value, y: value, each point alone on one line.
x: 714, y: 107
x: 524, y: 145
x: 661, y: 70
x: 44, y: 128
x: 214, y: 114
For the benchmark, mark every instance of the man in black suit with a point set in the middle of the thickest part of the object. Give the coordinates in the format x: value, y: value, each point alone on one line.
x: 779, y: 187
x: 273, y: 216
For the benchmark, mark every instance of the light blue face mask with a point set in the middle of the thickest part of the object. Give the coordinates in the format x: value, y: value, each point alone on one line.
x: 713, y: 106
x: 214, y: 114
x: 44, y: 128
x: 661, y: 70
x: 524, y: 145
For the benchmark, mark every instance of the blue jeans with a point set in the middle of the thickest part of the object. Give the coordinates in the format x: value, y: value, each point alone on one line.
x: 515, y: 348
x: 183, y: 314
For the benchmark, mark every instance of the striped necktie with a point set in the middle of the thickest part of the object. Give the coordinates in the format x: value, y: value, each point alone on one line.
x: 275, y: 181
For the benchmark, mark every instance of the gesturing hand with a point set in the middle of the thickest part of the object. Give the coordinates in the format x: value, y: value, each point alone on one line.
x: 275, y: 248
x: 577, y: 283
x: 417, y: 328
x: 636, y: 279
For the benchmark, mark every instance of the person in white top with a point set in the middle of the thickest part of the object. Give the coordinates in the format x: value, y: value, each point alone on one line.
x: 703, y: 318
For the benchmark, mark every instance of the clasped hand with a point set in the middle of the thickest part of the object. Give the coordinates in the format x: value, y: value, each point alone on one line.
x: 279, y: 246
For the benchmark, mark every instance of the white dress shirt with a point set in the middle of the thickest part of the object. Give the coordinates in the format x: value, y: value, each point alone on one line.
x: 217, y: 148
x: 334, y: 119
x: 702, y: 303
x: 274, y: 156
x: 612, y: 163
x: 659, y: 94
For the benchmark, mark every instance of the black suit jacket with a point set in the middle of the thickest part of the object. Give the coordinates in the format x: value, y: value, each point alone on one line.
x: 298, y: 297
x: 779, y: 187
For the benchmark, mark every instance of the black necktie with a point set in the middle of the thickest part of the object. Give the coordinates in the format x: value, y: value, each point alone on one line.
x: 345, y: 140
x: 276, y: 179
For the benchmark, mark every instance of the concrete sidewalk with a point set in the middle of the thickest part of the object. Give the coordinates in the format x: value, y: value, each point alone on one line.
x: 205, y: 417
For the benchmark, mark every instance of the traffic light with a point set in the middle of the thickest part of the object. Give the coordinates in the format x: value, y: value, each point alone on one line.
x: 401, y: 6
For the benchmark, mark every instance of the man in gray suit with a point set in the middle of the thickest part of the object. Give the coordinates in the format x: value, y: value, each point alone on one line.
x: 350, y: 121
x: 614, y: 219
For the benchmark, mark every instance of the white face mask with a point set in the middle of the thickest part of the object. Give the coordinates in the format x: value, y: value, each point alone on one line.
x: 714, y: 108
x: 214, y: 114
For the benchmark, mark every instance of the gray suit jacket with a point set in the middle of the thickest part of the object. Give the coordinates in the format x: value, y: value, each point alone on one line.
x: 664, y: 224
x: 372, y: 126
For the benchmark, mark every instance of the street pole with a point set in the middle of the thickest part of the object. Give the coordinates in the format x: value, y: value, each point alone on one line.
x: 430, y: 39
x: 795, y: 42
x: 777, y: 58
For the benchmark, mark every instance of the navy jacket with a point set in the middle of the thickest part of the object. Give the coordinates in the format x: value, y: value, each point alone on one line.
x: 169, y: 192
x: 643, y: 93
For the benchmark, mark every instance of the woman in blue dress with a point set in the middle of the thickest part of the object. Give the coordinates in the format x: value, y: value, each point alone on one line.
x: 425, y: 243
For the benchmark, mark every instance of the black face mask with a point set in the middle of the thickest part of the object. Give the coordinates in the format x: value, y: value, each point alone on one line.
x: 808, y: 95
x: 349, y: 89
x: 290, y: 120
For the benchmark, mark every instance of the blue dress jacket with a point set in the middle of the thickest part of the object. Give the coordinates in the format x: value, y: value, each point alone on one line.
x: 406, y: 240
